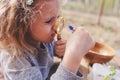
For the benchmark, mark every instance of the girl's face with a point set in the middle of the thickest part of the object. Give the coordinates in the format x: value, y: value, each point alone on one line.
x: 42, y: 28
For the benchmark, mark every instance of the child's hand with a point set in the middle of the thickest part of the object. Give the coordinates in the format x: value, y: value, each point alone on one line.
x: 79, y: 43
x: 60, y: 48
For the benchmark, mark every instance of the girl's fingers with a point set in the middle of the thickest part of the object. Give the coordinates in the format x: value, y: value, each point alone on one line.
x: 60, y: 42
x: 60, y: 54
x: 60, y: 47
x: 60, y: 51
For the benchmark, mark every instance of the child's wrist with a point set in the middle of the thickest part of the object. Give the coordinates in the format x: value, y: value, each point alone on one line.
x: 71, y: 64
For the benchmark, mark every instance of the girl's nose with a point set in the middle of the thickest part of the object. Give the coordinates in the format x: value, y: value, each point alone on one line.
x: 54, y: 25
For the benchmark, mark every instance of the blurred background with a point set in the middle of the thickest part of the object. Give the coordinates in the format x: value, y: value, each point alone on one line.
x: 100, y: 17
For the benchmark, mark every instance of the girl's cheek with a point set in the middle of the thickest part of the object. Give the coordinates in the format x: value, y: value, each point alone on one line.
x: 48, y: 27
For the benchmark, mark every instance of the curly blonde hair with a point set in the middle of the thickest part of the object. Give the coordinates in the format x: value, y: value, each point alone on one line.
x: 15, y: 19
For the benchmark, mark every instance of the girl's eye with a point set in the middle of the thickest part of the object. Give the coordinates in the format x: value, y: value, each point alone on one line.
x: 48, y: 21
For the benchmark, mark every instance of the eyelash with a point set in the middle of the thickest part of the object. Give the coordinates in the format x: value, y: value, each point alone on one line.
x: 48, y: 21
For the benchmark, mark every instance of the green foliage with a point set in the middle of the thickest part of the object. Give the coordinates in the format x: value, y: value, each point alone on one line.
x: 93, y: 7
x: 113, y: 71
x: 109, y: 4
x: 77, y: 6
x: 73, y: 5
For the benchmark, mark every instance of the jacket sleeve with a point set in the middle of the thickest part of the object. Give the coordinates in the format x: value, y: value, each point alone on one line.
x: 32, y: 73
x: 19, y: 68
x: 63, y: 73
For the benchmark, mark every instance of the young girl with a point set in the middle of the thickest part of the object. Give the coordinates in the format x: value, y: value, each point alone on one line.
x: 27, y: 42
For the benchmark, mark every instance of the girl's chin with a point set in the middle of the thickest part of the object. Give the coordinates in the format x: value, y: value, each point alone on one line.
x: 49, y: 41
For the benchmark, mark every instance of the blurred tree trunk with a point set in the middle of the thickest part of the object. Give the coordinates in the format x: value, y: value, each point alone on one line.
x: 101, y: 12
x: 116, y: 6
